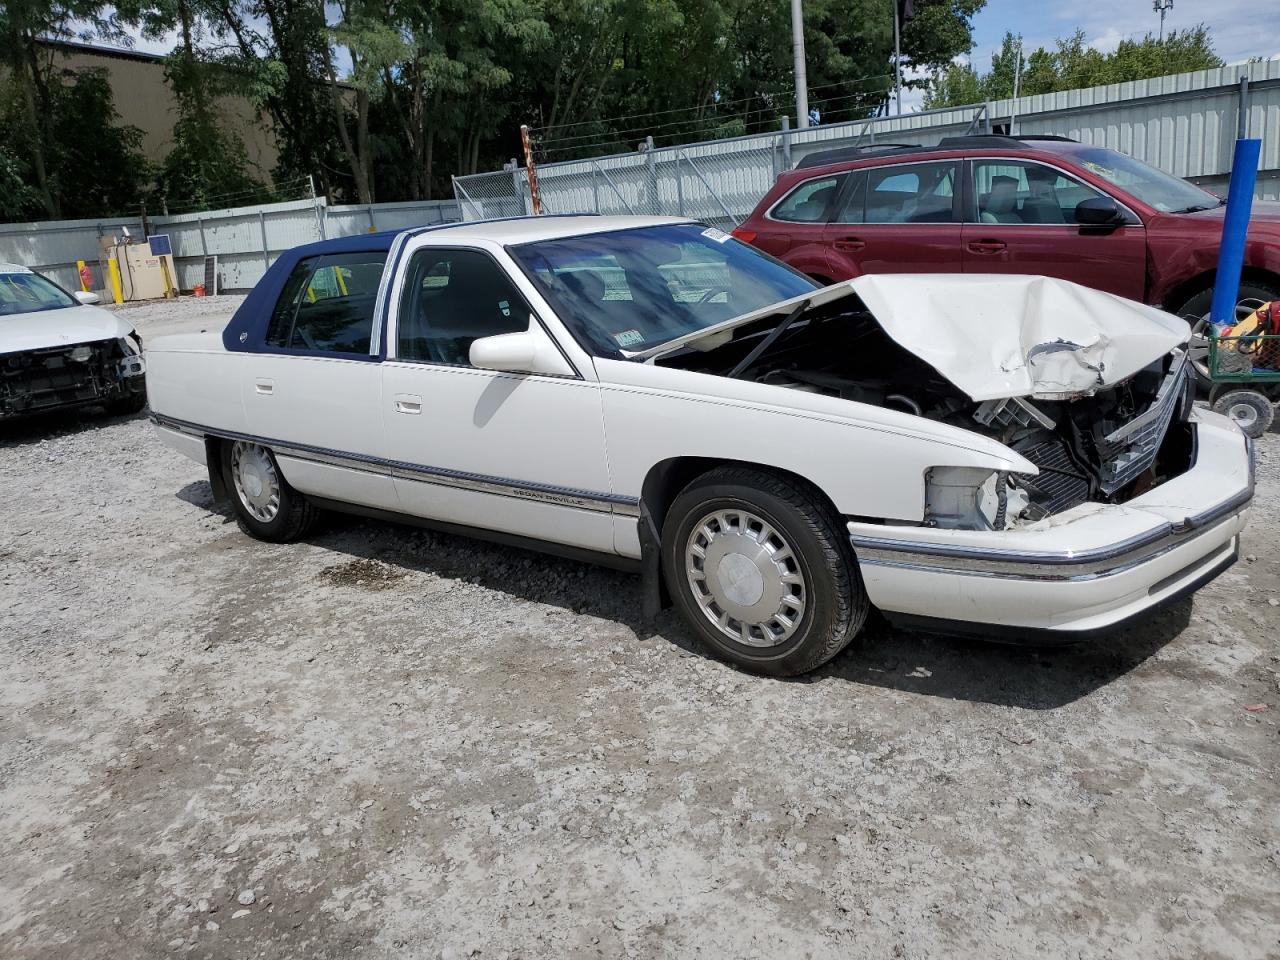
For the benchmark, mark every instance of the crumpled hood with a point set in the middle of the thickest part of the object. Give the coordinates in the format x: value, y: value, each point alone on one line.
x: 998, y: 335
x: 56, y: 328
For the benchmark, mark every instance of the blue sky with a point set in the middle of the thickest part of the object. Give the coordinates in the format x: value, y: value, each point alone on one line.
x: 1240, y: 28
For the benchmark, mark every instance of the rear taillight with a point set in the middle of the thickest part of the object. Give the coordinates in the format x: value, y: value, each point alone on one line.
x: 746, y: 236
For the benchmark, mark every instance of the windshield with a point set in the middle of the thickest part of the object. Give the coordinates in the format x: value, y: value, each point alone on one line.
x: 1167, y: 193
x: 634, y: 289
x: 31, y: 293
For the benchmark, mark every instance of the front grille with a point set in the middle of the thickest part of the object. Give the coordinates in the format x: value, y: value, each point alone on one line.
x: 1130, y: 449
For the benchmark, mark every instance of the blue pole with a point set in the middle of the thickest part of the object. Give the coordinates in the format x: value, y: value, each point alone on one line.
x: 1235, y: 225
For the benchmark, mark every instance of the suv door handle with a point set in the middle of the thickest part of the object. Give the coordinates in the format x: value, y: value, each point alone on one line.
x: 849, y: 244
x: 987, y: 246
x: 407, y: 403
x: 265, y: 387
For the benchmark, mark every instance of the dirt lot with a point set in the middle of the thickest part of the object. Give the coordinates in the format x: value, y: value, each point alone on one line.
x: 389, y: 743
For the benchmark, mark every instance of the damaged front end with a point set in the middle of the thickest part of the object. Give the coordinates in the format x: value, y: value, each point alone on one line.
x: 1093, y: 390
x: 108, y: 372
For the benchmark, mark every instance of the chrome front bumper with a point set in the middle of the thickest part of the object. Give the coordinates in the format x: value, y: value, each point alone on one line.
x: 1085, y: 570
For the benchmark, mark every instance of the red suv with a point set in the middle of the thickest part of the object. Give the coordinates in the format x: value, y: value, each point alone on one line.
x: 996, y: 204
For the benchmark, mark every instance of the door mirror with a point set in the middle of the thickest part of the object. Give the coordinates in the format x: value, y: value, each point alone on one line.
x: 1099, y: 212
x: 85, y: 297
x: 529, y: 351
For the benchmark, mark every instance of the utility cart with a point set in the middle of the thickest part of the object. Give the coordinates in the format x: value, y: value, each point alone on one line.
x: 1245, y: 373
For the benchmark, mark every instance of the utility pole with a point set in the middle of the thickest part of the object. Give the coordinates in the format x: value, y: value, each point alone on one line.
x: 797, y: 52
x: 897, y: 55
x: 1162, y: 7
x: 1017, y: 78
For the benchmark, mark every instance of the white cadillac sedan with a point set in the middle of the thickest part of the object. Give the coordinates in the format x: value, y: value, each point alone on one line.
x: 1012, y: 456
x: 58, y: 350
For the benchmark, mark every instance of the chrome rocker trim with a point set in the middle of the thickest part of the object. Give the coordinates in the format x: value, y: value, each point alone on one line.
x: 1059, y: 565
x: 440, y: 476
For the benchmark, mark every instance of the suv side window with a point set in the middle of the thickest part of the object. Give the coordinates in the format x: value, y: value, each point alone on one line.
x: 327, y: 304
x: 1015, y: 191
x: 809, y: 202
x: 911, y: 193
x: 451, y: 298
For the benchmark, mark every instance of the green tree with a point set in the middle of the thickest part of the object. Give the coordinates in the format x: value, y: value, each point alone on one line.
x: 1072, y: 64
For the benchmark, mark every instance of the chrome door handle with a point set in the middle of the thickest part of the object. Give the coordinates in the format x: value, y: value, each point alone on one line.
x: 265, y: 387
x: 408, y: 404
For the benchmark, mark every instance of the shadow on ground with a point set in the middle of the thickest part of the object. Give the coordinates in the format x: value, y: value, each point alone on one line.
x: 1005, y: 674
x: 36, y: 428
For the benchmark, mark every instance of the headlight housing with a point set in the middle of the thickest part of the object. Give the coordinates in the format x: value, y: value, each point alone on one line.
x: 971, y: 498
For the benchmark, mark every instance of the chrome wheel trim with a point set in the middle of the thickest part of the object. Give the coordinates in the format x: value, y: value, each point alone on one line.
x: 745, y: 577
x: 1244, y: 414
x: 256, y: 481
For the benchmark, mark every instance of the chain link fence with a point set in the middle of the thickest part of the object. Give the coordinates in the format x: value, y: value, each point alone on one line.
x: 1183, y: 124
x: 718, y: 182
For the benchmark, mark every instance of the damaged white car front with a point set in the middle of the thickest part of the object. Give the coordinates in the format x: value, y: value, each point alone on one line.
x: 1118, y: 495
x: 58, y: 350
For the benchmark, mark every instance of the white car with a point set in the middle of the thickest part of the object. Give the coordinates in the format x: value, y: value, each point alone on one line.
x: 1014, y: 456
x: 58, y: 351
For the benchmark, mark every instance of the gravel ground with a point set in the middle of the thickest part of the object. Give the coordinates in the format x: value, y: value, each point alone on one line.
x: 389, y: 743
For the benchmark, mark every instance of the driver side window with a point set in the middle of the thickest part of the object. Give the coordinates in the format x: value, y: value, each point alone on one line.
x: 452, y: 298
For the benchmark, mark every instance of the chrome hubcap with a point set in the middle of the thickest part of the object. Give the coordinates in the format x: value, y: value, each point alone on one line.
x: 1198, y: 347
x: 257, y: 484
x: 744, y: 575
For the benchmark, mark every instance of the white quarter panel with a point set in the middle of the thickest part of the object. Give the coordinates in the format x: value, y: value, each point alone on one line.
x: 193, y: 379
x: 870, y: 461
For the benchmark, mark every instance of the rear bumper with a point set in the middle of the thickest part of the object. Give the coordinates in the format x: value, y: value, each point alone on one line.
x: 1086, y: 571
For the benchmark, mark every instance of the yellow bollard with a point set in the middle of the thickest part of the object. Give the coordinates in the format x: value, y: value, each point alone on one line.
x: 114, y: 269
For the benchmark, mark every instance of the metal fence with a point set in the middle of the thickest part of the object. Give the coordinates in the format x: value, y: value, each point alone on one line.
x: 1184, y: 123
x: 246, y: 240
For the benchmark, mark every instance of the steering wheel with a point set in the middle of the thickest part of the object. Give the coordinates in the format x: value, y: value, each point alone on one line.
x: 714, y: 292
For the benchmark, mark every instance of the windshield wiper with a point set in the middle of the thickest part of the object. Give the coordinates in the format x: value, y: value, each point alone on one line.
x: 768, y: 341
x: 1196, y: 208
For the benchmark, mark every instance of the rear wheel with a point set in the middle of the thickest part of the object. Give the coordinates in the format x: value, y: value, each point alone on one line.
x: 265, y: 505
x: 1196, y: 310
x: 1251, y: 411
x: 760, y: 571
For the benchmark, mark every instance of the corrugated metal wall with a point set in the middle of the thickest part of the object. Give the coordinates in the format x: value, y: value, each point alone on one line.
x: 1184, y: 123
x: 246, y: 240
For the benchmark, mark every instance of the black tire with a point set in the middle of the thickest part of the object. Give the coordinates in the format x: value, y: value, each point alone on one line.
x: 835, y: 603
x: 294, y: 516
x: 1251, y: 411
x: 1197, y: 306
x: 127, y: 405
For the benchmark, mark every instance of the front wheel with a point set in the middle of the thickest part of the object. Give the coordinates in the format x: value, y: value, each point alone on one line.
x: 266, y: 507
x: 760, y: 570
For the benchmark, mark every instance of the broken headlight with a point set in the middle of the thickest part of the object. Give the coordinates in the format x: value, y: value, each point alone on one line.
x: 972, y: 498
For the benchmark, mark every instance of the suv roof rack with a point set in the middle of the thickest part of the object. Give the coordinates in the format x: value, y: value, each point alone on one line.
x: 824, y: 157
x: 967, y: 142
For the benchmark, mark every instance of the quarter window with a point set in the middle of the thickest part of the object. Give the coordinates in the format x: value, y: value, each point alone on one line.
x: 910, y: 193
x: 809, y: 202
x: 452, y: 298
x: 1007, y: 191
x: 327, y: 304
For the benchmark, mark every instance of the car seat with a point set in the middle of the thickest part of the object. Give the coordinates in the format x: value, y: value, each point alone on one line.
x: 1000, y: 205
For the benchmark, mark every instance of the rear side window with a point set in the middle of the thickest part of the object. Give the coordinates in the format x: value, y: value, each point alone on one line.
x: 911, y: 193
x: 807, y: 203
x: 327, y: 304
